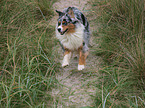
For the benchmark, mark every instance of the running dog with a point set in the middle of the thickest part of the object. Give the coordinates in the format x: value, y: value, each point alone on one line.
x: 72, y: 30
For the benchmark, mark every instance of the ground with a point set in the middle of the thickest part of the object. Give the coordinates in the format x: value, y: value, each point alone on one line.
x: 76, y: 88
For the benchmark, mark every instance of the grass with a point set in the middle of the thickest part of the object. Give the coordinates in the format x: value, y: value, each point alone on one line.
x: 121, y: 45
x: 27, y: 65
x: 27, y: 70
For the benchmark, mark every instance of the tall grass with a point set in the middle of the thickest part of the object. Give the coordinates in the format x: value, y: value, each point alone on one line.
x: 121, y: 45
x: 27, y: 65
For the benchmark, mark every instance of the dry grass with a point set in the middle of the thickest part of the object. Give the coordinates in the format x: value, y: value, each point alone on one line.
x: 121, y: 44
x: 27, y: 66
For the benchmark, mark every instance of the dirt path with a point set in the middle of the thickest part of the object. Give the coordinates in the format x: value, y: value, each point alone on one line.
x: 76, y: 88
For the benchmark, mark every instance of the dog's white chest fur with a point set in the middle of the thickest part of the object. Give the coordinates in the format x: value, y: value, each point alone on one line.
x: 74, y: 40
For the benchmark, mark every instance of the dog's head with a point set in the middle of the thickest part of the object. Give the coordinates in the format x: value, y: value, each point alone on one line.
x: 66, y: 21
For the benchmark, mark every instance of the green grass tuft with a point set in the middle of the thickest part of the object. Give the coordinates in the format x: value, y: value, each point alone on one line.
x: 121, y: 45
x: 27, y: 65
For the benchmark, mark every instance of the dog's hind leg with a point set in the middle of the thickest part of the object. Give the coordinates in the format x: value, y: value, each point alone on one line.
x: 82, y: 58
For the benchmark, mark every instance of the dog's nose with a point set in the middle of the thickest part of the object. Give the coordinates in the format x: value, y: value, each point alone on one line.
x: 59, y: 29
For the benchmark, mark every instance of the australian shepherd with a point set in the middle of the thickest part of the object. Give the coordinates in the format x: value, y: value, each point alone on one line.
x: 72, y: 30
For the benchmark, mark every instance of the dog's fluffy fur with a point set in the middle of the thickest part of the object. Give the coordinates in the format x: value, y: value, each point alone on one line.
x: 72, y: 30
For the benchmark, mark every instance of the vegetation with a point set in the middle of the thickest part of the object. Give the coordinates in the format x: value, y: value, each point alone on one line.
x: 27, y: 67
x: 121, y: 45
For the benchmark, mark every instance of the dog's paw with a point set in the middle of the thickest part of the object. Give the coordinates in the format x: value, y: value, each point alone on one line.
x: 65, y: 64
x: 65, y: 61
x: 81, y: 67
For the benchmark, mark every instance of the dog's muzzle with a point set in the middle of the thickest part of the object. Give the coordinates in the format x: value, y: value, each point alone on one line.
x: 61, y: 32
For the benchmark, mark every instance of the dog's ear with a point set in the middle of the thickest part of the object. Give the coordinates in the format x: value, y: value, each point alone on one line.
x: 71, y: 12
x: 59, y: 13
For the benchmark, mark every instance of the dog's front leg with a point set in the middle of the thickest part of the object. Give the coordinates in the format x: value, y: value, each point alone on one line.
x: 67, y: 56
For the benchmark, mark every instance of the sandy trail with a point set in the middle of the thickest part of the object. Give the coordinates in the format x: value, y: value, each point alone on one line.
x: 76, y: 88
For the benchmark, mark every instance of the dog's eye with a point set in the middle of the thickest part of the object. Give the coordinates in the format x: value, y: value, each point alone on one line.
x: 64, y: 23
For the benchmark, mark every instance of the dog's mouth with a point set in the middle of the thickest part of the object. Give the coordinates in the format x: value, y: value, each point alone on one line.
x: 63, y: 31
